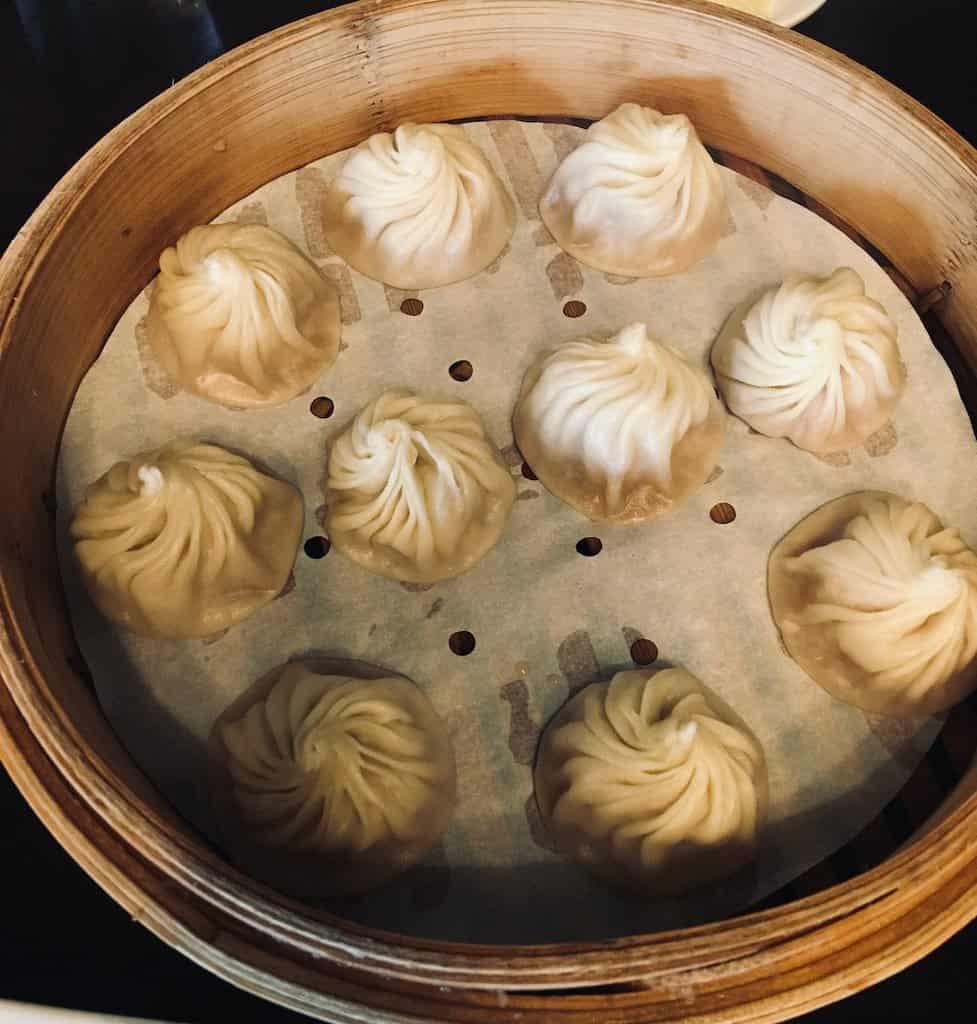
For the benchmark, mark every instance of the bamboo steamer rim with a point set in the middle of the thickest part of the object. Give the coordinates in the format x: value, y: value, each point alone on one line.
x: 763, y: 966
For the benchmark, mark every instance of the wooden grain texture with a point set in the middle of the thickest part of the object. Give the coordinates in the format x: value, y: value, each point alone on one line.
x: 866, y: 154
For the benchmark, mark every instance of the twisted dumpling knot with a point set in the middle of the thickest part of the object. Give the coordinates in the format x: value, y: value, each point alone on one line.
x: 653, y: 781
x: 418, y: 208
x: 640, y: 197
x: 240, y: 317
x: 186, y: 540
x: 813, y: 360
x: 621, y: 428
x: 414, y: 489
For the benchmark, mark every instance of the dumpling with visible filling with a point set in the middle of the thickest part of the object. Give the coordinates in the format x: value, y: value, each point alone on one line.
x: 621, y: 428
x: 877, y: 601
x: 242, y: 318
x: 653, y: 782
x: 640, y: 197
x: 185, y: 540
x: 331, y: 777
x: 415, y: 490
x: 419, y: 207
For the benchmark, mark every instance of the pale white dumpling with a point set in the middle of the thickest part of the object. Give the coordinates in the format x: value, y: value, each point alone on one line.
x: 621, y: 428
x: 415, y: 490
x: 640, y: 197
x: 242, y: 318
x: 331, y: 777
x: 185, y: 540
x: 877, y: 601
x: 652, y: 781
x: 814, y: 360
x: 418, y: 208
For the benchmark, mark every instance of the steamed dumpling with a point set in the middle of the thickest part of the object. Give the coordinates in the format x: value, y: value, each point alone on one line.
x: 186, y: 540
x: 331, y: 777
x: 620, y: 428
x: 653, y: 782
x: 240, y: 317
x: 640, y: 197
x: 877, y: 601
x: 418, y: 208
x: 415, y: 490
x: 813, y: 360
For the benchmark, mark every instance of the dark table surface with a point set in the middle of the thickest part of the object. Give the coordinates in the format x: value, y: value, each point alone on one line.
x: 69, y: 71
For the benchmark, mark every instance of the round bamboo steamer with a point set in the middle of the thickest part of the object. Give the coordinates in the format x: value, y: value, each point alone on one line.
x: 867, y: 154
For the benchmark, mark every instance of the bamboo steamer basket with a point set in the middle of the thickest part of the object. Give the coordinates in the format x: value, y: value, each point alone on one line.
x: 867, y: 156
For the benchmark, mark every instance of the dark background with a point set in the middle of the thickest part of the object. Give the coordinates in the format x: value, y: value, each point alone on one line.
x: 69, y: 71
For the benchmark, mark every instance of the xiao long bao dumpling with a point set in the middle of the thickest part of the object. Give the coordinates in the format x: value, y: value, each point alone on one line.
x: 620, y: 428
x: 186, y: 540
x: 651, y: 781
x: 415, y: 490
x: 418, y: 208
x: 331, y: 777
x: 813, y: 360
x: 877, y: 601
x: 242, y: 318
x: 640, y: 197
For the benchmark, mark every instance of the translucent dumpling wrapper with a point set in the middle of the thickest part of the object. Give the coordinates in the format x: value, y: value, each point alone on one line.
x: 621, y: 428
x: 415, y: 490
x: 640, y: 197
x: 652, y: 782
x: 813, y: 360
x: 877, y: 601
x: 418, y: 208
x: 331, y: 777
x: 242, y: 318
x: 186, y: 540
